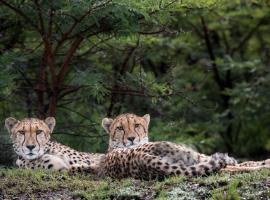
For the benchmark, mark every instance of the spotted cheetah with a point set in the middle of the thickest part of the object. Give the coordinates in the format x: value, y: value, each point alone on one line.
x: 130, y: 131
x: 31, y: 142
x: 131, y: 155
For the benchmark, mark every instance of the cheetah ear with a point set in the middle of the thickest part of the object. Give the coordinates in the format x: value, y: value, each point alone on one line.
x: 10, y: 123
x: 147, y: 119
x: 106, y: 123
x: 50, y: 121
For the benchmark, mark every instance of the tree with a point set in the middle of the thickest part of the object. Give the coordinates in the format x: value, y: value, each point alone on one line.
x: 200, y: 68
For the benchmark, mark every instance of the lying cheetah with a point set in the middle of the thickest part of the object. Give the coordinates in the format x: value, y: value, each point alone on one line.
x: 131, y: 155
x: 31, y: 142
x: 130, y: 131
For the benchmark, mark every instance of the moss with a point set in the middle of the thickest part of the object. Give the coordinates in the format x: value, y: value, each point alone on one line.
x: 39, y: 184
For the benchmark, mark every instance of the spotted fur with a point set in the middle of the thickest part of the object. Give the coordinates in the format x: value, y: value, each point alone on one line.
x: 255, y: 163
x: 131, y: 155
x: 31, y: 142
x: 248, y: 166
x: 123, y: 127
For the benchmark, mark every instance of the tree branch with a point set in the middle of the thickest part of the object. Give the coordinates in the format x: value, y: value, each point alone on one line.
x: 128, y: 56
x: 50, y: 60
x: 211, y: 55
x: 73, y: 26
x: 153, y: 32
x: 69, y: 90
x: 248, y: 36
x: 67, y: 59
x: 87, y: 29
x: 40, y: 17
x: 51, y: 15
x: 94, y: 46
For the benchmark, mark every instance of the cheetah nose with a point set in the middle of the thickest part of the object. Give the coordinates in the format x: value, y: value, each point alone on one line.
x: 30, y: 147
x: 131, y: 139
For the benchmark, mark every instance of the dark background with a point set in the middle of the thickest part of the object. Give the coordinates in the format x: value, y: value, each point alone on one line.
x: 199, y: 68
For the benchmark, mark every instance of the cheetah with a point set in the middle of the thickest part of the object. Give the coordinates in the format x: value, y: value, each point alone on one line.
x: 130, y: 154
x: 31, y: 142
x: 130, y: 131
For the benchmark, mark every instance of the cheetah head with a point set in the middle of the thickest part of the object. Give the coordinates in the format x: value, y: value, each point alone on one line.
x: 127, y: 130
x: 30, y: 135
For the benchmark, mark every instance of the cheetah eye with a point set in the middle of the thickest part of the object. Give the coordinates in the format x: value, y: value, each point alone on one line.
x: 120, y: 128
x: 38, y: 132
x: 137, y: 125
x: 22, y: 132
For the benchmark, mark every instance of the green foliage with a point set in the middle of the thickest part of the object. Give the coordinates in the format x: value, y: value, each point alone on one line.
x: 200, y: 68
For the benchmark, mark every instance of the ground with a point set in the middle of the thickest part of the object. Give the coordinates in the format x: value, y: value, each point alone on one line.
x: 30, y: 184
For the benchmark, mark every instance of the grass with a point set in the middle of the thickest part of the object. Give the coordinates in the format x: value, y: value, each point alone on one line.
x: 39, y: 184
